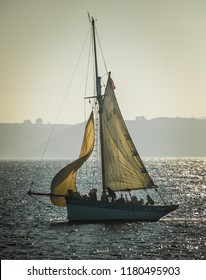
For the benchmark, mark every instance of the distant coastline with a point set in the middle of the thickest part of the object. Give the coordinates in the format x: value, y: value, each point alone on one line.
x: 159, y: 137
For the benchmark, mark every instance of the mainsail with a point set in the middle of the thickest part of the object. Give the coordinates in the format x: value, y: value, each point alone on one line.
x: 66, y: 178
x: 123, y: 168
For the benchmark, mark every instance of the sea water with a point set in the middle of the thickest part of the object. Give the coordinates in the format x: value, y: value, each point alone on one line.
x: 32, y: 228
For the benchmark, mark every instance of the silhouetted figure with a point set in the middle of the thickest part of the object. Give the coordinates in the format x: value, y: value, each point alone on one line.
x: 104, y: 197
x: 134, y: 199
x: 93, y: 194
x: 111, y: 193
x: 121, y: 200
x: 141, y: 201
x: 150, y: 201
x: 69, y: 195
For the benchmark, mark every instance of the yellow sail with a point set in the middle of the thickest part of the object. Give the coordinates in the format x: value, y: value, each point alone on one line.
x: 66, y: 178
x: 123, y: 167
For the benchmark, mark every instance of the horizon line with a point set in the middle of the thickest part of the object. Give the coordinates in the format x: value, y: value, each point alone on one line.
x: 40, y: 121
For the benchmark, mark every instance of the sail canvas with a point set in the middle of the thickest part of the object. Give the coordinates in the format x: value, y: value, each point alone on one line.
x: 124, y: 169
x: 65, y: 179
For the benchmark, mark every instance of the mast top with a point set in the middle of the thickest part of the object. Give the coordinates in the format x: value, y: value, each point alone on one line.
x: 98, y: 79
x: 91, y: 19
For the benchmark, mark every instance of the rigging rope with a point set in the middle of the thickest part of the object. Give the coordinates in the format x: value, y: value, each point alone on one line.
x: 47, y: 205
x: 101, y: 51
x: 91, y: 105
x: 160, y: 196
x: 87, y: 74
x: 94, y: 107
x: 62, y: 103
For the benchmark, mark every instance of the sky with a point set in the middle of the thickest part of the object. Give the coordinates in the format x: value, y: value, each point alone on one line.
x: 155, y: 50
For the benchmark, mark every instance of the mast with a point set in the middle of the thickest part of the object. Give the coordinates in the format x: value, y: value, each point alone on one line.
x: 99, y: 99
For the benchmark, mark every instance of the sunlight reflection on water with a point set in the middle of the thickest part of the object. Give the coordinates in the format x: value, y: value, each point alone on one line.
x: 37, y: 230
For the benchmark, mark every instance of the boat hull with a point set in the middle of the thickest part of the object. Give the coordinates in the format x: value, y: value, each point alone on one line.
x: 97, y: 211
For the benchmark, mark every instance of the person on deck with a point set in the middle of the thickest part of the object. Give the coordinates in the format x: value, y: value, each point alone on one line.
x: 121, y: 200
x: 150, y: 201
x: 93, y: 194
x: 104, y: 197
x: 134, y: 199
x: 111, y: 193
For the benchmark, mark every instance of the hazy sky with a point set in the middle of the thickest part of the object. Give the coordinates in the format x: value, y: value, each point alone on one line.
x: 156, y: 50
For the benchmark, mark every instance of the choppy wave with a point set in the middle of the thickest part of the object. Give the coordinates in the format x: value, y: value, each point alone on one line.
x: 31, y: 228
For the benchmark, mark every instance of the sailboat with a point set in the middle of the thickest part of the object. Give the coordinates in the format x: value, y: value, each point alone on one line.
x: 122, y: 169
